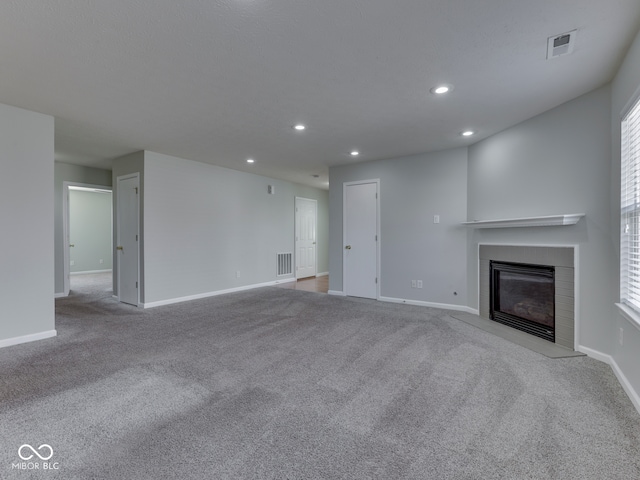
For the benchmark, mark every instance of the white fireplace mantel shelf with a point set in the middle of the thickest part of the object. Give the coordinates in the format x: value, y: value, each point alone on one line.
x: 546, y: 221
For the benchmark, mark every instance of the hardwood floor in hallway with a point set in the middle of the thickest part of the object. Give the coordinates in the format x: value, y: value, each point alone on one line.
x: 311, y: 284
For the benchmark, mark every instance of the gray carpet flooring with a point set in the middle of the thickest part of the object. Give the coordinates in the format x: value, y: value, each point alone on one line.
x: 282, y: 384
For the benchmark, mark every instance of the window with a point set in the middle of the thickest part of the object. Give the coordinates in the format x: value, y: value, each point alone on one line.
x: 630, y: 210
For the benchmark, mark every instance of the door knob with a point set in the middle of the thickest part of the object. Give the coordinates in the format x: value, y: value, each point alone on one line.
x: 348, y: 247
x: 119, y: 247
x: 72, y: 245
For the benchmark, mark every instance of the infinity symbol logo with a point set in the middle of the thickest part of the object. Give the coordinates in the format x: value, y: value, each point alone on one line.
x: 35, y: 452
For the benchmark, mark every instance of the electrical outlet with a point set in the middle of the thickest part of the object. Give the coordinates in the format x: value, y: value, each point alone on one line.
x: 436, y: 219
x: 621, y: 335
x: 238, y: 274
x: 101, y: 260
x: 72, y: 263
x: 413, y: 284
x: 419, y: 283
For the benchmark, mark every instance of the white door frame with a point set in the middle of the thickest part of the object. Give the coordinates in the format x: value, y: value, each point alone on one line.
x: 66, y: 226
x: 117, y: 220
x: 344, y: 233
x: 295, y: 241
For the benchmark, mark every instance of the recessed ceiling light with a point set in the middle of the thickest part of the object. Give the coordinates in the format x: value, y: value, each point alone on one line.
x: 467, y: 133
x: 355, y: 153
x: 250, y: 160
x: 299, y: 127
x: 441, y: 89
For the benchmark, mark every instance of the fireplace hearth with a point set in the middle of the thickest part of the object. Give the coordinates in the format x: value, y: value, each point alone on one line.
x: 523, y: 297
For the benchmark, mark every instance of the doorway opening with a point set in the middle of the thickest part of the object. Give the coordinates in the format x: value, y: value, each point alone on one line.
x: 88, y: 231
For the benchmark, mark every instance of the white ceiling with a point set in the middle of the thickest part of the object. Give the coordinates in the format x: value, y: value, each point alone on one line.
x: 220, y: 81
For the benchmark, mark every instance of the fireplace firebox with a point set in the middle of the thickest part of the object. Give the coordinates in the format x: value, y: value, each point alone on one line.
x: 523, y: 297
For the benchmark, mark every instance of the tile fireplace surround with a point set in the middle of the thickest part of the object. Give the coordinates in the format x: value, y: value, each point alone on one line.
x: 562, y: 258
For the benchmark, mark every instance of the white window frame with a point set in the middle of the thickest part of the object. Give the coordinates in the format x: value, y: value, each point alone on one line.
x: 630, y: 214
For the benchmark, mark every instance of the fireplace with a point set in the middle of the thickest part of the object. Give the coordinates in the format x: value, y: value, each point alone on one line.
x: 560, y: 258
x: 523, y: 297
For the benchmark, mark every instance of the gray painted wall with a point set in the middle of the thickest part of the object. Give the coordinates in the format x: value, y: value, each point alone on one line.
x: 90, y: 231
x: 412, y: 190
x: 625, y: 87
x: 556, y: 163
x: 26, y: 216
x: 64, y: 172
x: 204, y: 223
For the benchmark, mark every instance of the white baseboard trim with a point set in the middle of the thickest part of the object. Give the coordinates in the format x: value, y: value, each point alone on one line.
x: 198, y: 296
x: 419, y: 303
x: 624, y: 381
x: 87, y: 272
x: 59, y: 295
x: 337, y: 292
x: 323, y: 274
x: 8, y: 342
x: 590, y: 352
x: 626, y: 385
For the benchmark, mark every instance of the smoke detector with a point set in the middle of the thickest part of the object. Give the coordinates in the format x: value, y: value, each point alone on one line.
x: 562, y: 44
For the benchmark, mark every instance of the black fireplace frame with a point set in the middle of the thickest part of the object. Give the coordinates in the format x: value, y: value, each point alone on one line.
x: 514, y: 321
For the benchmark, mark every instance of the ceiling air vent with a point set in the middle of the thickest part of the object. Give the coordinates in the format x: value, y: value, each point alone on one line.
x: 562, y: 44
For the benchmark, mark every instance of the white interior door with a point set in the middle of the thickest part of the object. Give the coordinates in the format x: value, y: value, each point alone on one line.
x: 360, y: 259
x: 306, y: 225
x: 127, y: 250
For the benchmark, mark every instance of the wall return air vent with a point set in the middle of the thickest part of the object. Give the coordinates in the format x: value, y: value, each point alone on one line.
x: 562, y: 44
x: 284, y: 264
